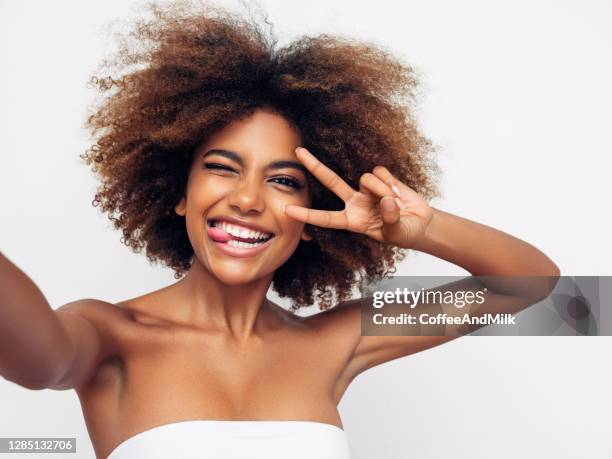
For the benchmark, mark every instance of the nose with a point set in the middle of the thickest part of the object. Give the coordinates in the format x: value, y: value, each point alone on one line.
x: 247, y: 197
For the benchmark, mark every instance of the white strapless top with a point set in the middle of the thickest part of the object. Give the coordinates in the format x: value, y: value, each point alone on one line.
x: 211, y: 439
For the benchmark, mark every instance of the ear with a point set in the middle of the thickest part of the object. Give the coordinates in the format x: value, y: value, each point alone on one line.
x: 181, y: 207
x: 306, y: 237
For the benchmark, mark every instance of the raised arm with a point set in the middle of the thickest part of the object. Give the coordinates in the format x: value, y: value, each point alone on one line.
x: 389, y: 211
x: 482, y: 250
x: 39, y: 347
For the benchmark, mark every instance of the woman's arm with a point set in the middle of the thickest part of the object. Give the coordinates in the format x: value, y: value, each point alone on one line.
x: 482, y: 250
x: 486, y: 251
x: 479, y: 249
x: 389, y: 211
x: 38, y: 346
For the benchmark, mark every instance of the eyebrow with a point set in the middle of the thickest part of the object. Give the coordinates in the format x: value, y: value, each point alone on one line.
x: 281, y: 164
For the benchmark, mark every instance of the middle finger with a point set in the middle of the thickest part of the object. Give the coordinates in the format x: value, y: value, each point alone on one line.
x: 375, y: 185
x: 325, y: 175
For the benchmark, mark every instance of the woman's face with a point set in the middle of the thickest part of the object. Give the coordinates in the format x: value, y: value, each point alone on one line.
x: 243, y: 176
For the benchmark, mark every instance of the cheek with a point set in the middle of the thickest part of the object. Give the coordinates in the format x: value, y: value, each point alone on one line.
x: 292, y: 228
x: 289, y: 225
x: 204, y: 191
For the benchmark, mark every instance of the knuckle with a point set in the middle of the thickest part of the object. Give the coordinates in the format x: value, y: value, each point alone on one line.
x: 333, y: 180
x: 309, y: 216
x: 316, y: 166
x: 328, y: 220
x: 365, y: 178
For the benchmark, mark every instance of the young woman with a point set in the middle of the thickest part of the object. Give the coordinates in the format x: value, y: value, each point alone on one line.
x: 242, y: 167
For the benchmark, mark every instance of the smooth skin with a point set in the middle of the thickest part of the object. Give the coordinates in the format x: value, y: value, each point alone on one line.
x: 212, y: 346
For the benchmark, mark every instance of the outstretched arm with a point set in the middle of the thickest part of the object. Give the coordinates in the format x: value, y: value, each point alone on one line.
x: 33, y: 344
x: 40, y: 347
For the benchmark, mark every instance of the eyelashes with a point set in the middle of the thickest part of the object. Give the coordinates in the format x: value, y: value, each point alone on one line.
x: 286, y: 180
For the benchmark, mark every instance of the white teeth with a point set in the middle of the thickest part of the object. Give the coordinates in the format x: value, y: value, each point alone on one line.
x: 241, y: 244
x: 239, y: 231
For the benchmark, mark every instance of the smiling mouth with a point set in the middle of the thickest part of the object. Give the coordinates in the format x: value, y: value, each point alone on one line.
x: 236, y: 236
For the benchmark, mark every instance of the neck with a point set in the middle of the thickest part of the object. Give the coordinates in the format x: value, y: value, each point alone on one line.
x: 238, y: 311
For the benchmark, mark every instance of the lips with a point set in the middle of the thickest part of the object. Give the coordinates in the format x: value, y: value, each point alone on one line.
x: 223, y: 230
x: 230, y: 245
x: 240, y: 222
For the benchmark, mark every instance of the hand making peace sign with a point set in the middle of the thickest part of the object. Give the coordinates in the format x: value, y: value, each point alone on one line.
x: 384, y: 208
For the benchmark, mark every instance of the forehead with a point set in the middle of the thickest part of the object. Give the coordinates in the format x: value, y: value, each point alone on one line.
x: 264, y: 133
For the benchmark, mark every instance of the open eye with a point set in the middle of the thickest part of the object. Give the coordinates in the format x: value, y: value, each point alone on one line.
x: 288, y: 181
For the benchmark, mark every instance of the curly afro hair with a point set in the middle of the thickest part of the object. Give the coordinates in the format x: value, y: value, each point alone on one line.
x: 191, y: 69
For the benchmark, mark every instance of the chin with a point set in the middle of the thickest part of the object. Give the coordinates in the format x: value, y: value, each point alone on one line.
x: 234, y: 278
x: 236, y: 272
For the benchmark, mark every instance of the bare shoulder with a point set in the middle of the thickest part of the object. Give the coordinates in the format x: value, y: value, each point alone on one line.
x: 95, y: 330
x: 340, y: 326
x: 344, y: 323
x: 111, y: 321
x: 344, y: 318
x: 94, y: 309
x: 100, y: 313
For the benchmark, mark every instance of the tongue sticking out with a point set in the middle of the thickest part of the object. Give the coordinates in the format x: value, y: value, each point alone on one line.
x: 218, y: 235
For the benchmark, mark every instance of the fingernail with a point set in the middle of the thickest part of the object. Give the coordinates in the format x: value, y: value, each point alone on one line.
x: 387, y: 203
x: 396, y: 190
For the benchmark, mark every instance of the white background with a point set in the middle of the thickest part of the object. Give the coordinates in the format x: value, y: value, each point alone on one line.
x: 518, y: 97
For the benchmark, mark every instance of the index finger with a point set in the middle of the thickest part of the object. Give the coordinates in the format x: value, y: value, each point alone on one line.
x: 323, y: 218
x: 324, y: 174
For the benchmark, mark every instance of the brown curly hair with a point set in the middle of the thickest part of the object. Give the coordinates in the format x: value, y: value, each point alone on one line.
x: 191, y: 69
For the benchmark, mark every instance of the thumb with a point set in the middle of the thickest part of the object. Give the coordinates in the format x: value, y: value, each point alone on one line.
x: 389, y: 210
x: 392, y: 229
